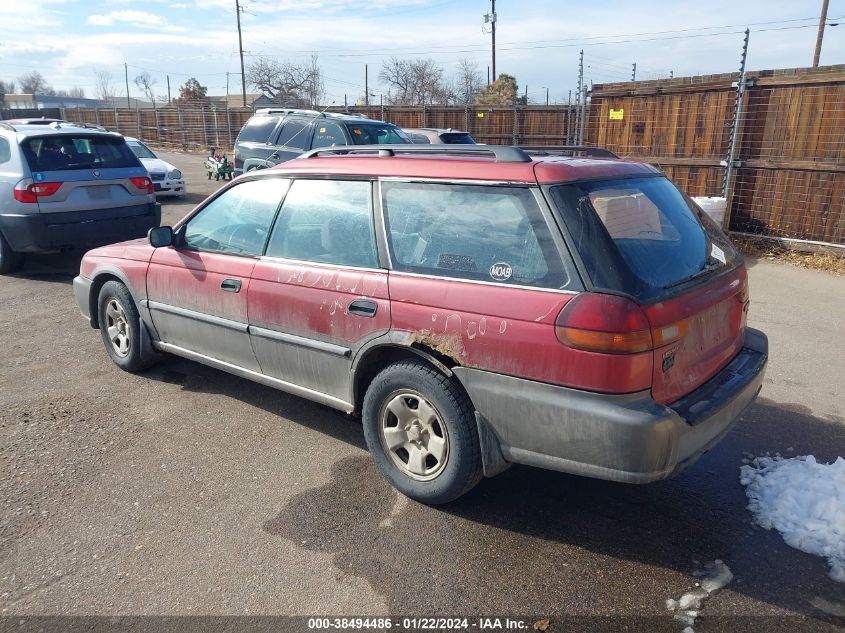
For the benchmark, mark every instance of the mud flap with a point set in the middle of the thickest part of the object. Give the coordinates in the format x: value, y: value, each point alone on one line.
x: 492, y: 460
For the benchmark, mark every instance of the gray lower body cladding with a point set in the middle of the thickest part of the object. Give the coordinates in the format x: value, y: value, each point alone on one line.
x: 51, y: 232
x: 628, y: 438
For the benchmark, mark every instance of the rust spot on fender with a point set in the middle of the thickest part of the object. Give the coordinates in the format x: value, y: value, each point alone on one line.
x: 449, y: 345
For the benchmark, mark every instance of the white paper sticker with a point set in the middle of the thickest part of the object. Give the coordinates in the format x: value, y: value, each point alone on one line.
x: 717, y: 253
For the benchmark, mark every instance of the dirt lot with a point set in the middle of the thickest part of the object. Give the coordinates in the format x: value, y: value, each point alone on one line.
x: 185, y: 490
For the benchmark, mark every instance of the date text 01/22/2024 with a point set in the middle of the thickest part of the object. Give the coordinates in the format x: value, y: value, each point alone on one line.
x: 420, y: 624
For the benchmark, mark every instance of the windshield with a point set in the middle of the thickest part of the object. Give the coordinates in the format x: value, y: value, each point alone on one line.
x: 66, y: 152
x: 374, y: 134
x: 641, y: 236
x: 140, y: 150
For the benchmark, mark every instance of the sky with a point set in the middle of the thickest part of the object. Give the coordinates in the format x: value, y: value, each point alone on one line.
x: 538, y: 41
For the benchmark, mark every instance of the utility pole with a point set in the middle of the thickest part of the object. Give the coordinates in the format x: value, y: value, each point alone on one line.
x: 126, y: 74
x: 820, y: 35
x: 488, y: 75
x: 490, y: 18
x: 168, y: 90
x: 241, y: 49
x: 634, y: 71
x: 526, y: 94
x: 578, y: 95
x: 547, y: 94
x: 366, y: 86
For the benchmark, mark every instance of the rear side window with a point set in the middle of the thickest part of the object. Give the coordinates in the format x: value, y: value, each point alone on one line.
x: 327, y: 134
x: 374, y: 134
x: 457, y: 138
x: 258, y: 129
x: 5, y: 151
x: 640, y: 235
x: 65, y: 152
x: 327, y: 221
x: 294, y: 134
x: 481, y: 233
x: 420, y: 139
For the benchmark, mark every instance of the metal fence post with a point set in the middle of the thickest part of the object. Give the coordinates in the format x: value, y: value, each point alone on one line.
x: 732, y: 161
x: 138, y: 120
x: 513, y: 130
x: 182, y: 127
x: 229, y: 141
x: 116, y: 120
x: 205, y: 127
x: 466, y: 117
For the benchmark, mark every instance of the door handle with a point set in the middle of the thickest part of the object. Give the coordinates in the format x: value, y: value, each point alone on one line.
x: 363, y: 307
x: 231, y: 285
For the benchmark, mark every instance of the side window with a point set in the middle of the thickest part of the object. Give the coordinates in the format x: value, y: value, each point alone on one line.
x: 473, y: 232
x: 421, y: 139
x: 327, y: 134
x: 326, y: 221
x: 237, y: 222
x: 258, y: 129
x: 294, y: 134
x: 5, y: 151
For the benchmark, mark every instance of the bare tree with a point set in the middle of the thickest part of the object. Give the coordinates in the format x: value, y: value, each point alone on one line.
x: 414, y: 81
x: 105, y: 87
x: 286, y: 82
x: 34, y: 83
x: 468, y: 83
x: 6, y: 88
x: 76, y: 92
x: 145, y: 83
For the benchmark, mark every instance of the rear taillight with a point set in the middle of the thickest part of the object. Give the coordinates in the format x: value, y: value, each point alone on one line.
x: 144, y: 184
x: 612, y: 325
x: 29, y: 192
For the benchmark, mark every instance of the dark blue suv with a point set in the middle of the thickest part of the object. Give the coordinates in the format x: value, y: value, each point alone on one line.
x: 275, y: 135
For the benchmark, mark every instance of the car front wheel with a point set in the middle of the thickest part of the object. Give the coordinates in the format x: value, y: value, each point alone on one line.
x: 420, y: 428
x: 120, y: 327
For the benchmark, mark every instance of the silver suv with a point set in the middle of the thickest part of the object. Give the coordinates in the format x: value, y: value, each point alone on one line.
x: 65, y: 187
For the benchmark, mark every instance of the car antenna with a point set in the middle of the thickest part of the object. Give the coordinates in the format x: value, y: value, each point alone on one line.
x: 316, y: 116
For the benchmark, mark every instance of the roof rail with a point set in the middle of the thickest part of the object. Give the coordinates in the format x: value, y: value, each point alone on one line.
x: 287, y: 111
x: 357, y: 115
x: 501, y: 153
x: 8, y: 126
x: 568, y: 150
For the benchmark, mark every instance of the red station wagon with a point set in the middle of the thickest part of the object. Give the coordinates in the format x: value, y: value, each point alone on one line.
x: 477, y: 307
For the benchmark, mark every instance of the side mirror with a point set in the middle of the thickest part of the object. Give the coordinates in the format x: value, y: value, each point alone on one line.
x: 160, y: 236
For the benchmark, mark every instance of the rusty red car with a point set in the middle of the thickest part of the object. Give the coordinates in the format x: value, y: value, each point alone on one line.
x: 476, y: 306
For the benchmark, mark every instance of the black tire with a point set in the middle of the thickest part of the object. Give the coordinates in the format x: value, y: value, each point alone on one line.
x: 461, y: 469
x: 114, y: 293
x: 10, y: 261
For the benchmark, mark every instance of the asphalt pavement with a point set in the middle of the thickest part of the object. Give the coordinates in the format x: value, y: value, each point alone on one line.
x: 187, y: 491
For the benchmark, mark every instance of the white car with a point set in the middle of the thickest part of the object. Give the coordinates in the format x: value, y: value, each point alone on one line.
x: 168, y: 180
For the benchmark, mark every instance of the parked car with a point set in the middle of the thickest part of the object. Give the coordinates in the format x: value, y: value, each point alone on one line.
x: 65, y: 187
x: 167, y: 179
x: 274, y: 135
x: 438, y: 136
x: 581, y: 315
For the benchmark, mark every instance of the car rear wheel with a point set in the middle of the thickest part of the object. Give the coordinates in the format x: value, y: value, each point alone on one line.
x: 420, y: 429
x: 10, y: 261
x: 120, y: 327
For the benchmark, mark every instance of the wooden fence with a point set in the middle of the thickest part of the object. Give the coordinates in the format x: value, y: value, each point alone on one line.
x: 790, y: 161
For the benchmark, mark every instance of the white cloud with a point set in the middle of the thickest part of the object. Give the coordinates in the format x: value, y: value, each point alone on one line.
x: 138, y: 19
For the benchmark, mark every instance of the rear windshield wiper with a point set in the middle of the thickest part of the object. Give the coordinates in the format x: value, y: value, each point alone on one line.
x: 709, y: 267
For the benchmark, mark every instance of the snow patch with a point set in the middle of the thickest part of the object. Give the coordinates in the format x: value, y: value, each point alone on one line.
x: 804, y: 501
x: 714, y: 576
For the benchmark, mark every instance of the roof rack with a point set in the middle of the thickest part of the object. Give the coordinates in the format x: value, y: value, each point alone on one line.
x: 8, y: 126
x: 501, y: 153
x: 568, y: 150
x: 287, y: 111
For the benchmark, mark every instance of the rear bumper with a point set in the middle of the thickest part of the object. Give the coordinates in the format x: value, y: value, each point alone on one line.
x: 45, y: 233
x: 628, y: 438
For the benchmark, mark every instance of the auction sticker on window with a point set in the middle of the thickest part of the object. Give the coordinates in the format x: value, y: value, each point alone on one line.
x: 501, y: 271
x: 717, y: 253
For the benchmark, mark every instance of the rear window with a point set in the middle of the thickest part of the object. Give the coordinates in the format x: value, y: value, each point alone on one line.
x: 66, y: 152
x: 372, y: 134
x: 294, y: 133
x: 457, y: 138
x: 258, y: 129
x: 641, y: 236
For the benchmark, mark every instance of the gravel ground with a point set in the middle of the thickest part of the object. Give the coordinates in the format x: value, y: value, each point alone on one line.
x: 184, y: 490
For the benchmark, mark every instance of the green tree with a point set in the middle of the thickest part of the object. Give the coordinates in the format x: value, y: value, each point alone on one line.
x: 501, y: 92
x: 192, y: 90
